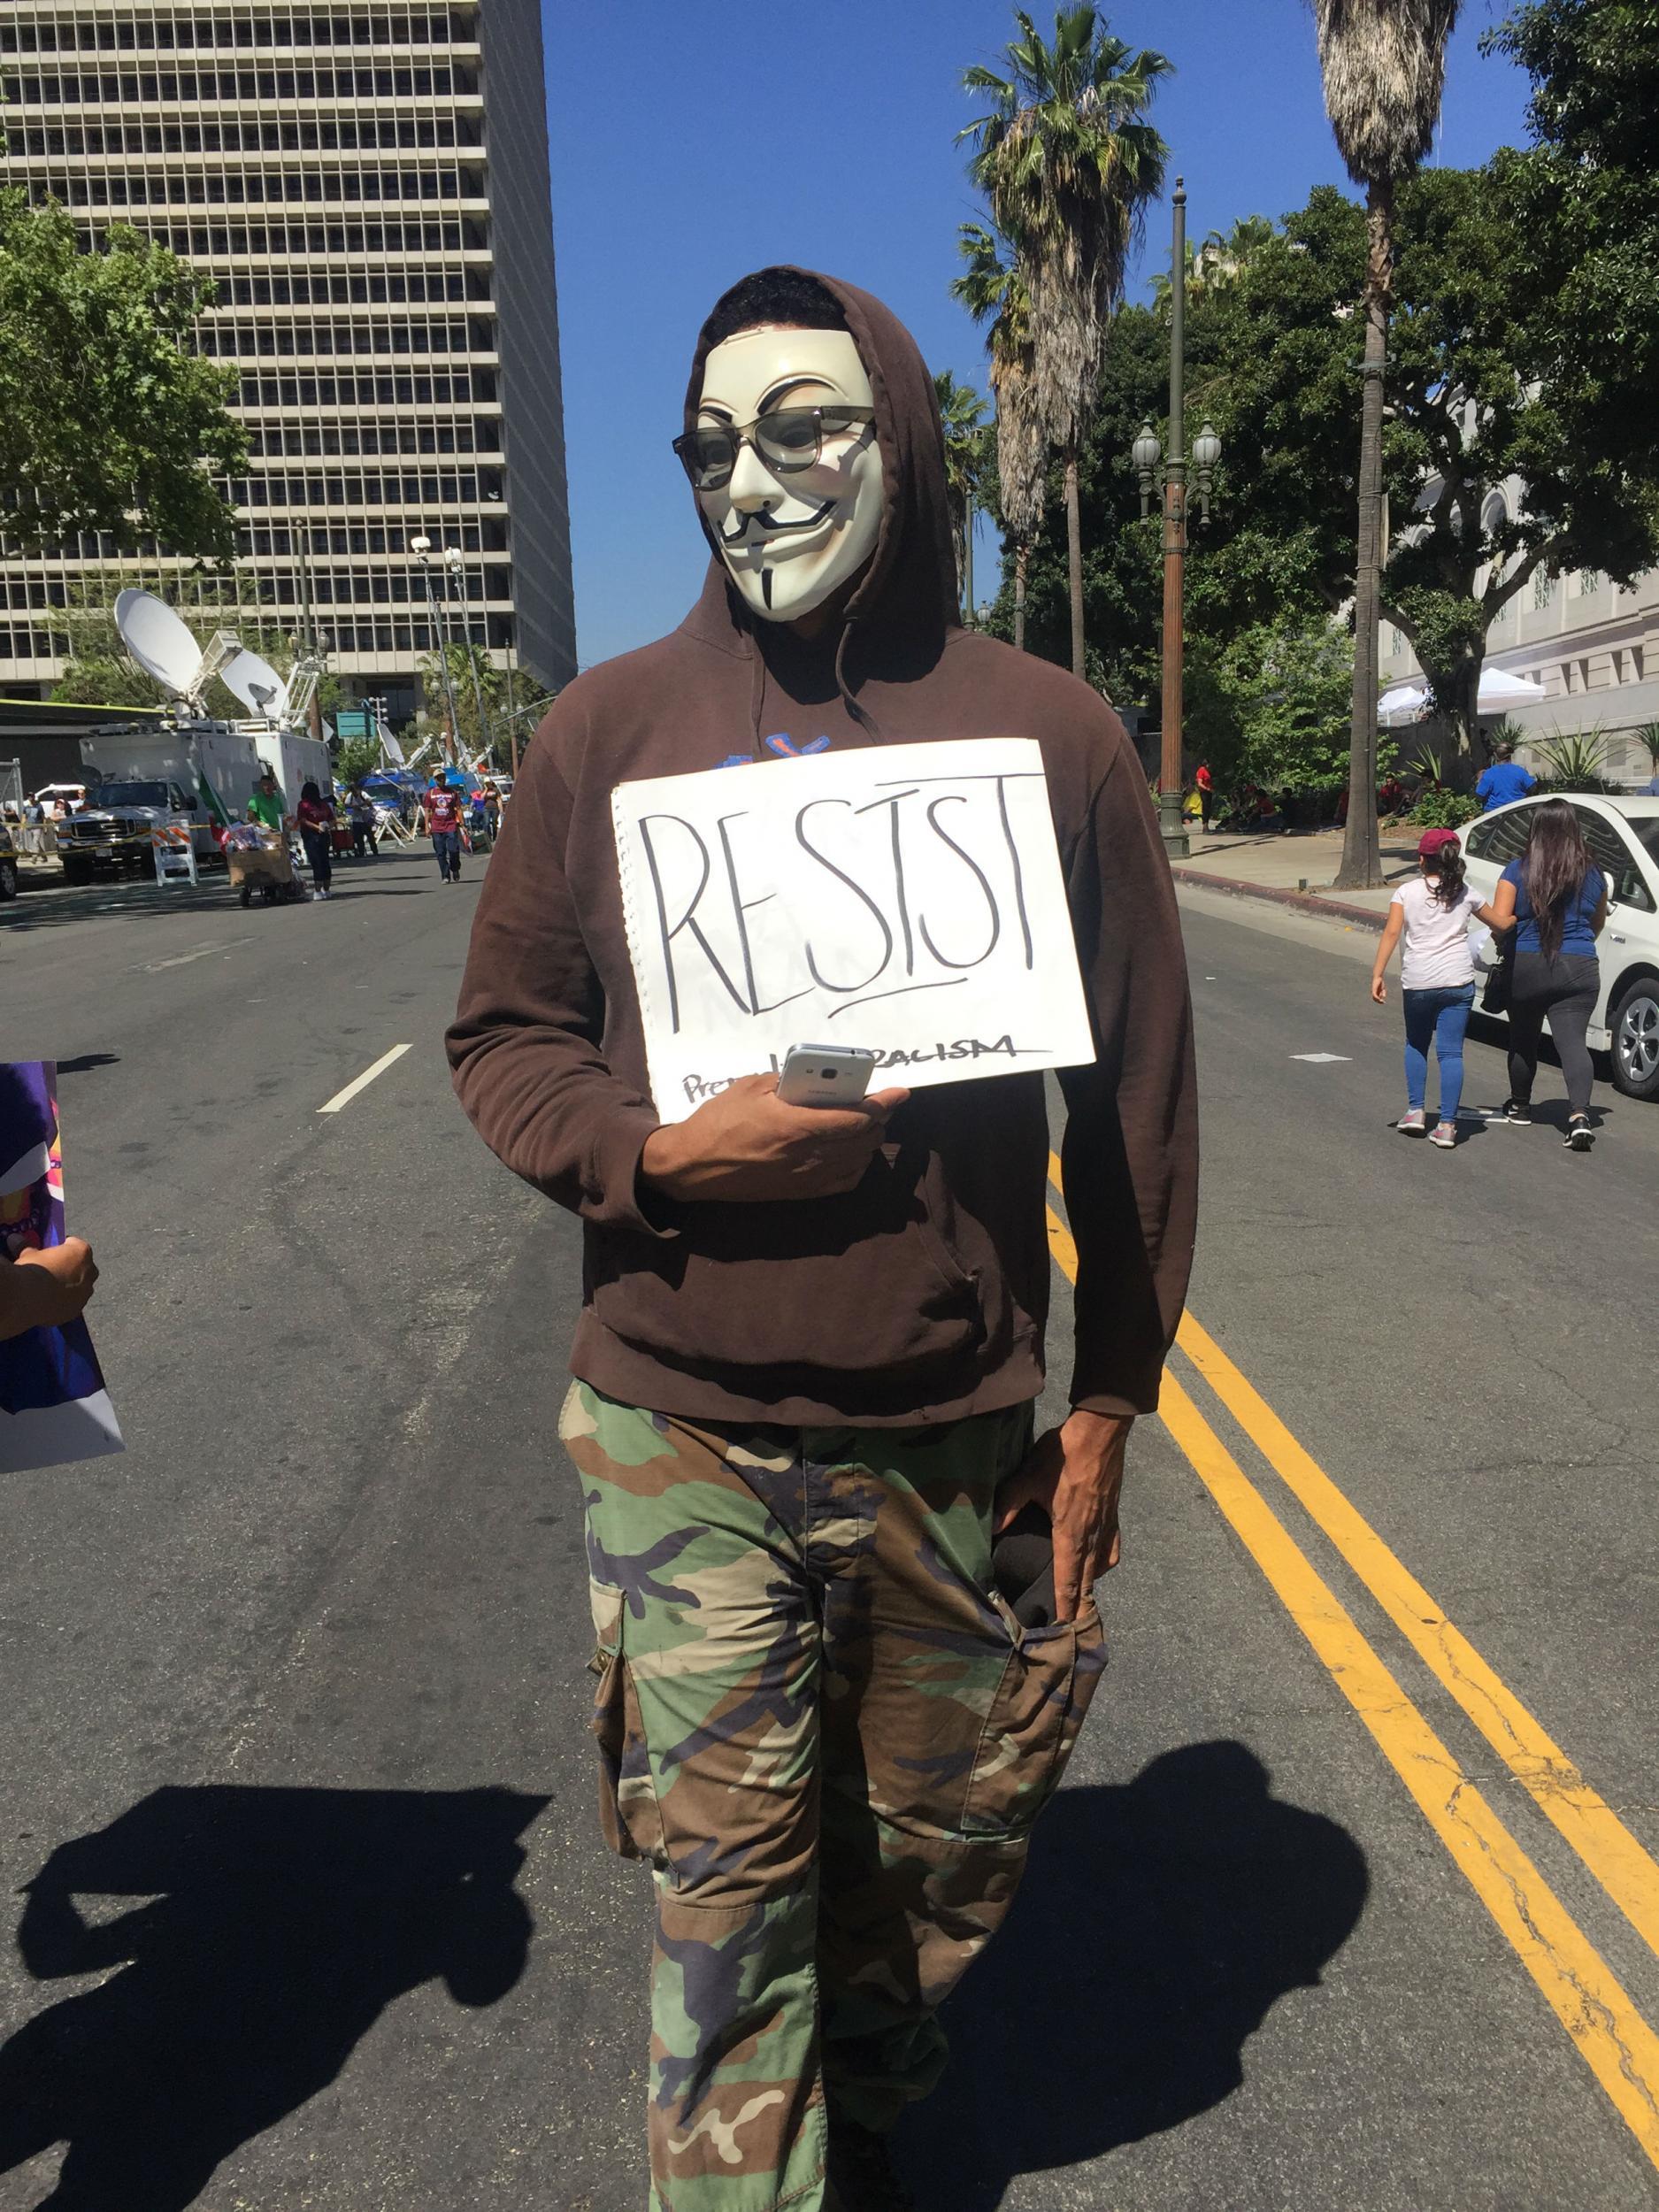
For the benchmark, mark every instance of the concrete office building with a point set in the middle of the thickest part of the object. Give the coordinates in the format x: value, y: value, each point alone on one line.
x: 367, y: 185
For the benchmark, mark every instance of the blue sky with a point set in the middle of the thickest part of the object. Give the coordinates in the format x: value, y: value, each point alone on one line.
x: 689, y: 146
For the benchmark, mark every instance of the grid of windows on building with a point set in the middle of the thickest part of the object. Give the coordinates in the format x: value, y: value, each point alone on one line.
x: 366, y: 186
x: 1543, y: 587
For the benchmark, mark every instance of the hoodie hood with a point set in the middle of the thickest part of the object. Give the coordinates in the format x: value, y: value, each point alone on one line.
x: 906, y: 601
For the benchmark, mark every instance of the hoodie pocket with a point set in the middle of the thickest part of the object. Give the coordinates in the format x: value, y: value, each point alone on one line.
x: 629, y: 1817
x: 866, y: 1283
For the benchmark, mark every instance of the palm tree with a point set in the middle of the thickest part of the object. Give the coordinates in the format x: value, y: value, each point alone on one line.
x: 1384, y: 64
x: 992, y: 291
x: 962, y: 412
x: 1069, y: 162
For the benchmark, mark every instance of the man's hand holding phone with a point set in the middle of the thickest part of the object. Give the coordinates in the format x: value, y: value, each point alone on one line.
x: 748, y: 1144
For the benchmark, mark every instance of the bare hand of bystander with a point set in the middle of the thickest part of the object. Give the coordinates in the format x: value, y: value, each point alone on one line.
x: 42, y: 1290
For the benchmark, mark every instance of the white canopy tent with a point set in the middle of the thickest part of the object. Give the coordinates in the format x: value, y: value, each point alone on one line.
x: 1500, y: 690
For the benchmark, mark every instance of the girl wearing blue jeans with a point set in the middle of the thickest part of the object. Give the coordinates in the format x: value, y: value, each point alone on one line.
x: 1437, y: 977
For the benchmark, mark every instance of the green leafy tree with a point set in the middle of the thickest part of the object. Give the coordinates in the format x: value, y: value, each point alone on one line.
x: 109, y: 422
x: 1586, y: 195
x: 962, y: 413
x: 1270, y: 705
x: 355, y: 757
x: 1383, y: 63
x: 1068, y: 163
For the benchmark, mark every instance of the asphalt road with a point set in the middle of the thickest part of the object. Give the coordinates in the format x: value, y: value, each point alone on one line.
x: 294, y: 1692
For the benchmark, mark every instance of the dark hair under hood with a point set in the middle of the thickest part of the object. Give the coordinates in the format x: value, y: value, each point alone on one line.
x: 907, y: 599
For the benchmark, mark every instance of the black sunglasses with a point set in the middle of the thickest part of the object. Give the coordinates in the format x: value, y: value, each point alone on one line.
x: 788, y: 439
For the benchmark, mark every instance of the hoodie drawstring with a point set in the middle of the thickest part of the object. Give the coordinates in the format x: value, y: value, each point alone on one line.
x: 860, y: 714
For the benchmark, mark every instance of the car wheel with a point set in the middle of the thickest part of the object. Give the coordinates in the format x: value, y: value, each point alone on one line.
x: 8, y: 880
x: 1634, y: 1024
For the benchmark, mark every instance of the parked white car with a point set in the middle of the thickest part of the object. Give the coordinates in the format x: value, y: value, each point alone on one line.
x: 1623, y: 835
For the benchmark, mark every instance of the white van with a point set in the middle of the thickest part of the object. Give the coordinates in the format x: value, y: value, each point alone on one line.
x: 1623, y: 835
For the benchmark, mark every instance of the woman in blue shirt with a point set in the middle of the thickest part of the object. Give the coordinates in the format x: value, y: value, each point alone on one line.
x: 1556, y: 897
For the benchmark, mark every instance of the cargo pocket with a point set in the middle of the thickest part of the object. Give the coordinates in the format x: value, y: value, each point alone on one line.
x: 628, y: 1814
x: 1033, y: 1722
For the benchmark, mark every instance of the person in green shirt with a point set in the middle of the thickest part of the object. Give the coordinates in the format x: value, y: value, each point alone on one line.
x: 266, y: 804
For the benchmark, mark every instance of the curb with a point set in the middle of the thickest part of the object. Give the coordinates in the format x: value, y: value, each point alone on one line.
x: 1302, y: 901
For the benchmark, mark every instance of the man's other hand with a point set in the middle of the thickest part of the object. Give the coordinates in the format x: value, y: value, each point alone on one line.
x: 1075, y: 1473
x: 745, y: 1143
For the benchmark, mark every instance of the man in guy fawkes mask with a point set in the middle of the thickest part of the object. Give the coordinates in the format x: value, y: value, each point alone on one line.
x: 810, y: 1341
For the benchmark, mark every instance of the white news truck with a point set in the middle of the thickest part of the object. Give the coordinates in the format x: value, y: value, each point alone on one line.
x: 189, y: 776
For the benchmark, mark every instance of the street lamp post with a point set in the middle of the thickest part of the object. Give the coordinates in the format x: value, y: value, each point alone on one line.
x: 1146, y: 454
x: 455, y: 561
x: 421, y: 548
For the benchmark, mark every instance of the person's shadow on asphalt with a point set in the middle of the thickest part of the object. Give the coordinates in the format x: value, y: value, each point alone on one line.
x: 280, y: 1924
x: 1157, y: 1925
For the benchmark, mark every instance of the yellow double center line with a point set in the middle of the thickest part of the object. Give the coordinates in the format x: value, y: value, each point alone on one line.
x: 1612, y: 2037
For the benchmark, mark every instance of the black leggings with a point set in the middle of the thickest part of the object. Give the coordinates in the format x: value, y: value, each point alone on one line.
x: 319, y: 851
x: 1564, y: 989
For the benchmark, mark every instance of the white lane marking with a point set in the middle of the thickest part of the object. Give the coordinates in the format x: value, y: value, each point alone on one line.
x: 183, y: 959
x: 345, y: 1097
x: 1320, y: 1059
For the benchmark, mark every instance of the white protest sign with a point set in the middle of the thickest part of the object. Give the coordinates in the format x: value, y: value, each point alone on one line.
x: 906, y: 899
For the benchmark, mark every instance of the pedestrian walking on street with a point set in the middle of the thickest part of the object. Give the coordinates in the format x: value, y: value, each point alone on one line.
x: 441, y: 810
x: 1556, y: 897
x: 813, y: 1338
x: 360, y: 815
x: 316, y: 816
x: 1432, y: 913
x: 1206, y: 784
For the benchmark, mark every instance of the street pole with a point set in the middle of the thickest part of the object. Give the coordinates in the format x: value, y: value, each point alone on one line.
x: 453, y: 563
x: 314, y: 712
x: 1170, y: 818
x: 421, y: 548
x: 513, y: 714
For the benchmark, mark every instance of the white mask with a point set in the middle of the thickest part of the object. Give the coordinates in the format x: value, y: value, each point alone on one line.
x: 791, y: 537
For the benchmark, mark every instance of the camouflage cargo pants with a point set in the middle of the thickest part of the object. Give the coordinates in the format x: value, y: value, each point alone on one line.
x: 831, y: 1744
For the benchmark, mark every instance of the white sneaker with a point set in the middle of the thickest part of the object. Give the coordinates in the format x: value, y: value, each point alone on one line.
x: 1444, y: 1134
x: 1412, y: 1123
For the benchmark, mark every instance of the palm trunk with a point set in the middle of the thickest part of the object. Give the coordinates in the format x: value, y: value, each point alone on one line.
x: 1074, y: 560
x: 1022, y: 553
x: 1362, y: 859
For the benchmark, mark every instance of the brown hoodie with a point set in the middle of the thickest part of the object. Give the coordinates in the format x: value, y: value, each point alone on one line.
x: 921, y: 1296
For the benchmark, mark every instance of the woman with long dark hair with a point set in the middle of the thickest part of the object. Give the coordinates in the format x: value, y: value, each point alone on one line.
x: 1556, y: 897
x: 1432, y: 912
x: 317, y: 833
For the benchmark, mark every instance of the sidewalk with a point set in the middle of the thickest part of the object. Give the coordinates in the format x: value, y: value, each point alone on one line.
x: 1296, y: 870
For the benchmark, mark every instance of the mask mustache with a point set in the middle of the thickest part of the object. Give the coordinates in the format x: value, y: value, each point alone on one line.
x: 763, y: 525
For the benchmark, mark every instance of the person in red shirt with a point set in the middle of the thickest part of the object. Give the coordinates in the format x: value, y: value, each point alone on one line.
x: 1206, y: 784
x: 442, y: 806
x: 316, y: 816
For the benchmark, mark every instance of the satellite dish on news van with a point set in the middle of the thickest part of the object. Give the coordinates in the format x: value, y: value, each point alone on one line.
x: 257, y: 684
x: 159, y: 642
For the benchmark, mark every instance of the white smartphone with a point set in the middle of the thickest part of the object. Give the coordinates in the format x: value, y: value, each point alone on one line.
x: 825, y: 1075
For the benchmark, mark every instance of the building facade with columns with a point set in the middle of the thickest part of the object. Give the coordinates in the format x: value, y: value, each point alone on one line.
x: 366, y: 184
